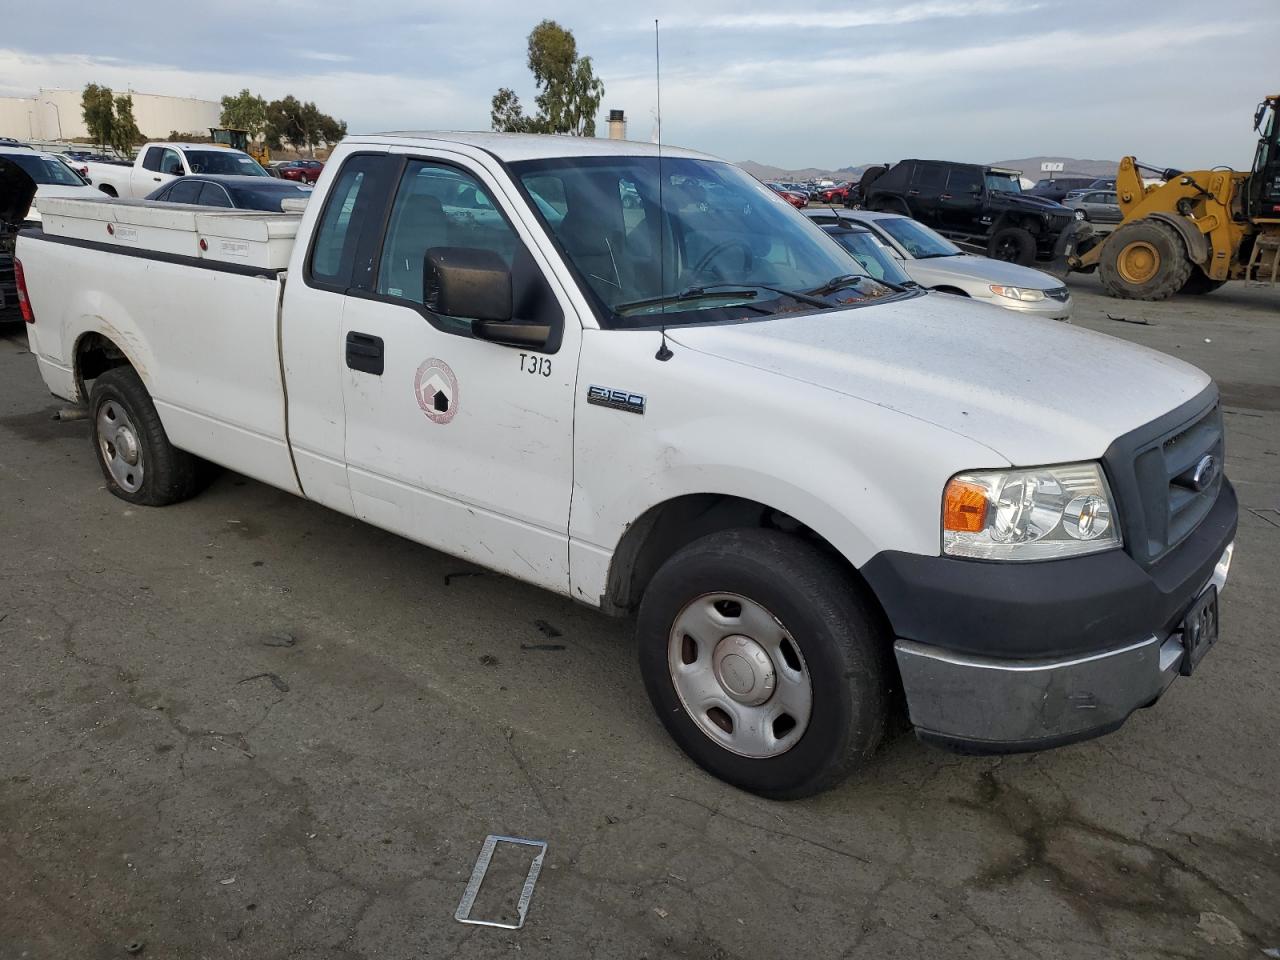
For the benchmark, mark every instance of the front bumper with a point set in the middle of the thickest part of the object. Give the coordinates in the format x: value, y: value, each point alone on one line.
x: 1004, y: 657
x: 1048, y: 307
x: 990, y: 705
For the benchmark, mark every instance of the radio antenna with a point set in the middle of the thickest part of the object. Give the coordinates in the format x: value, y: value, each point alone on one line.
x: 664, y: 352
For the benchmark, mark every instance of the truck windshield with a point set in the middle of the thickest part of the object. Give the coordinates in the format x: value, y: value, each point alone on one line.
x: 700, y: 241
x: 43, y: 168
x: 224, y: 161
x: 1003, y: 183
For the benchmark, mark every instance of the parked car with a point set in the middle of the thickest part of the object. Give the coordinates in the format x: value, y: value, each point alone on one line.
x: 12, y: 144
x: 866, y: 247
x: 1057, y: 188
x: 836, y: 194
x: 1102, y: 183
x: 793, y: 197
x: 158, y: 163
x: 240, y: 193
x: 17, y: 190
x: 1097, y: 206
x: 935, y: 262
x: 51, y: 175
x: 984, y: 206
x: 817, y: 503
x: 303, y: 171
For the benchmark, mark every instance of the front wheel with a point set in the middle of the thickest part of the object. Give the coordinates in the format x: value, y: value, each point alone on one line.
x: 1013, y: 245
x: 1144, y: 260
x: 765, y: 662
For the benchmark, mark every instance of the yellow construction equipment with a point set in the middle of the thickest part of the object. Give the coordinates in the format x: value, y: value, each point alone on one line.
x: 239, y: 140
x: 1194, y: 231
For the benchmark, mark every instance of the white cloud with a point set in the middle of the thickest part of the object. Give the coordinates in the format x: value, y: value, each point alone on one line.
x: 371, y: 101
x: 847, y: 19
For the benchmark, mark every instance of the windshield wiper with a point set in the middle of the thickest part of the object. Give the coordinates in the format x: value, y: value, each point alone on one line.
x: 851, y: 280
x: 736, y: 291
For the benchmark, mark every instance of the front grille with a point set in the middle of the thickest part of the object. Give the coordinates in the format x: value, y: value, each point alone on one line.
x: 1154, y: 469
x: 1061, y: 294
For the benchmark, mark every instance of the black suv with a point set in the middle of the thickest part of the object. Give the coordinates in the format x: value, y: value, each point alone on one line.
x: 971, y: 203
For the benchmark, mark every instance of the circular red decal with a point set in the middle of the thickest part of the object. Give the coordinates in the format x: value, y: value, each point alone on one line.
x: 437, y: 390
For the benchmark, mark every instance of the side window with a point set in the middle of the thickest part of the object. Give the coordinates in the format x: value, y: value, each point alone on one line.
x: 352, y: 214
x: 929, y: 177
x: 214, y: 195
x: 438, y: 206
x: 151, y: 160
x: 963, y: 182
x: 185, y: 191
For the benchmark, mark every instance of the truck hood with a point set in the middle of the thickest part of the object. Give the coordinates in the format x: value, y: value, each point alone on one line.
x: 932, y: 271
x: 1033, y: 391
x: 16, y: 191
x: 1027, y: 201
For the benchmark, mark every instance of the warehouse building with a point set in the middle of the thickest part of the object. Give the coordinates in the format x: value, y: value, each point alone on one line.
x: 56, y: 115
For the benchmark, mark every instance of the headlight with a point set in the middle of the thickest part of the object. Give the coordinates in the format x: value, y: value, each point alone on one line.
x: 1016, y: 293
x: 1029, y: 514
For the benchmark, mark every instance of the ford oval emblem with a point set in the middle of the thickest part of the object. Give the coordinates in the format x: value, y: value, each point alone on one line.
x: 1206, y: 473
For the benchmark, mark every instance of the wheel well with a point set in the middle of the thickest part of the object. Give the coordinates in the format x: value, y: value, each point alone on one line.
x: 109, y: 190
x: 666, y: 528
x: 95, y: 355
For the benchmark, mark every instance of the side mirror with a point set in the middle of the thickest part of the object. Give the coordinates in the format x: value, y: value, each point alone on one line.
x: 475, y: 285
x: 975, y: 189
x: 175, y: 170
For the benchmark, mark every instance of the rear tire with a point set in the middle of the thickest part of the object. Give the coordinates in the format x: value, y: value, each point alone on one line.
x: 771, y: 614
x: 139, y: 463
x: 1200, y: 283
x: 1012, y: 245
x: 1144, y: 260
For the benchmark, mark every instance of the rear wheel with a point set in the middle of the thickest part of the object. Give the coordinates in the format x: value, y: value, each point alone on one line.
x: 1144, y: 260
x: 1013, y: 245
x: 766, y: 664
x: 1200, y: 283
x: 139, y: 463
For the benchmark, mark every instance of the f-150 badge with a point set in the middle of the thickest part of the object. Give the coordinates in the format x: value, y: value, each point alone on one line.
x: 617, y: 399
x: 437, y: 390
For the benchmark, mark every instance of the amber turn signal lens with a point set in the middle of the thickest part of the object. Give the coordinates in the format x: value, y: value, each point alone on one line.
x: 964, y: 507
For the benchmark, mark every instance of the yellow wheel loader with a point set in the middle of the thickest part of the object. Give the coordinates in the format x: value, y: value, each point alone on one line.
x: 239, y: 140
x: 1195, y: 231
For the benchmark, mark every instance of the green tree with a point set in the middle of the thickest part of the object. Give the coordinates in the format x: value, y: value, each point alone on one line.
x: 331, y: 131
x: 284, y: 123
x: 245, y: 111
x: 98, y: 109
x: 124, y: 130
x: 569, y: 92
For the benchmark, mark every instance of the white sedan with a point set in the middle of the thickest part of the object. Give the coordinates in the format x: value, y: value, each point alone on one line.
x: 53, y: 177
x: 935, y: 262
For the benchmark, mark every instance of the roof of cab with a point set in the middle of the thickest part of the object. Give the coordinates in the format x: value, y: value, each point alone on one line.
x: 531, y: 146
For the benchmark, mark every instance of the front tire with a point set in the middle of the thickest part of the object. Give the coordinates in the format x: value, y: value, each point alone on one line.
x: 1144, y: 260
x: 766, y: 663
x: 1012, y: 245
x: 139, y: 463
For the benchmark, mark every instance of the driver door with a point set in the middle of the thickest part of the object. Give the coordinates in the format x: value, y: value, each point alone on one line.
x: 460, y: 443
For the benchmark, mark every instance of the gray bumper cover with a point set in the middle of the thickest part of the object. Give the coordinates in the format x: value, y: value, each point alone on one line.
x: 984, y: 704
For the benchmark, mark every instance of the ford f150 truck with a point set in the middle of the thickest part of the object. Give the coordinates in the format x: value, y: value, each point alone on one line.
x: 643, y: 381
x: 158, y: 163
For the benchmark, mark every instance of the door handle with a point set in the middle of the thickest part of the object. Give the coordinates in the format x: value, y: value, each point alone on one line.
x: 364, y: 353
x: 945, y: 196
x: 156, y: 179
x: 913, y: 193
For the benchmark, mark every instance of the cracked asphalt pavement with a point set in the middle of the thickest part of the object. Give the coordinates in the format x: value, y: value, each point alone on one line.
x: 248, y: 727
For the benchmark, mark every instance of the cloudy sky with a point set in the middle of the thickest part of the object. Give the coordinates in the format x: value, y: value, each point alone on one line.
x: 792, y: 83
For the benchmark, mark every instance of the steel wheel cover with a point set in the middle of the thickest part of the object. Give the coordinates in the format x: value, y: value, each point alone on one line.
x: 740, y: 675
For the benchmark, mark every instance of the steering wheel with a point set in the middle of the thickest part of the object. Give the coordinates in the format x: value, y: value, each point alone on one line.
x: 710, y: 256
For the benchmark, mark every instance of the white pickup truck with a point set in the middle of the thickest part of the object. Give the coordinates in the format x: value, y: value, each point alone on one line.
x: 645, y: 382
x: 158, y: 163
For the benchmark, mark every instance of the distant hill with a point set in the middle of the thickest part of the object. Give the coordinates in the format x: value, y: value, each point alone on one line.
x: 1030, y: 167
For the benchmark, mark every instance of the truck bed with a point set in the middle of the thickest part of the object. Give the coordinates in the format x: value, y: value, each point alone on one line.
x: 192, y: 297
x: 247, y: 237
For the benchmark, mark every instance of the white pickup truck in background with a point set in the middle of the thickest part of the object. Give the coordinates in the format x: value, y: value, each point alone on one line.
x: 158, y: 163
x: 645, y: 382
